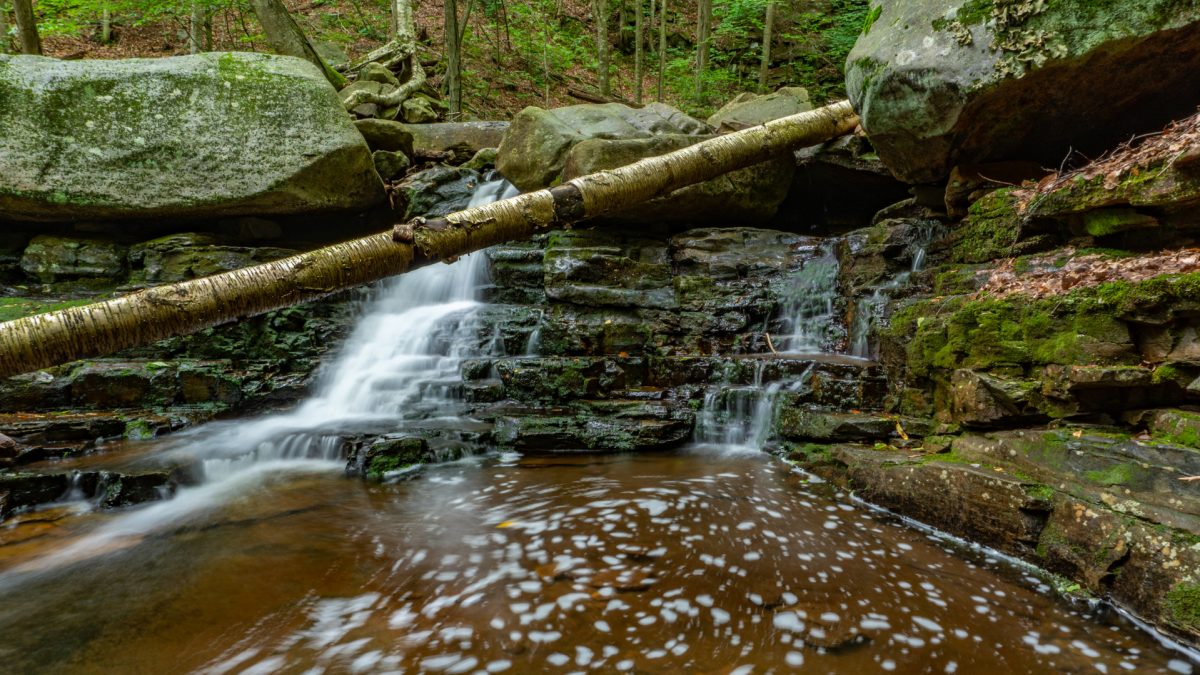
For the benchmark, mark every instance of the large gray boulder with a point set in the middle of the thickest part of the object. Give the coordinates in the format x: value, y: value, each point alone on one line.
x: 535, y: 147
x: 545, y: 147
x: 194, y: 136
x: 939, y: 83
x: 748, y: 110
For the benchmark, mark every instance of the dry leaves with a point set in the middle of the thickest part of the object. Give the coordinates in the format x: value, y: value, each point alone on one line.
x: 1055, y: 274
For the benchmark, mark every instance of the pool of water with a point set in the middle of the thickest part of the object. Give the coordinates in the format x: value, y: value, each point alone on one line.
x: 691, y: 561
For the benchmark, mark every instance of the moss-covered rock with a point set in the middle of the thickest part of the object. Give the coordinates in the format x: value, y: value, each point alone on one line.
x: 52, y: 258
x: 193, y: 136
x: 946, y: 82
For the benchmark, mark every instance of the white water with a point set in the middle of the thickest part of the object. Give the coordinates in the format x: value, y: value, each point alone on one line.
x: 401, y: 362
x: 867, y: 310
x: 739, y: 418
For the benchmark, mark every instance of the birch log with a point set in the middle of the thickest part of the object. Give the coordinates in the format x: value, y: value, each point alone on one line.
x: 161, y: 312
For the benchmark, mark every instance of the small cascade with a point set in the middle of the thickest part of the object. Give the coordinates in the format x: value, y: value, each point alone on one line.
x: 869, y: 310
x: 400, y: 364
x: 808, y: 315
x: 739, y: 418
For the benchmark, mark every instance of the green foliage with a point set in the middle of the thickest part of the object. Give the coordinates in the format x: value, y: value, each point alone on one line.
x: 824, y: 40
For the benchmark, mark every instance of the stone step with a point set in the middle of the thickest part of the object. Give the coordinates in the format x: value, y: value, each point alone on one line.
x: 592, y: 426
x: 803, y: 424
x: 826, y: 380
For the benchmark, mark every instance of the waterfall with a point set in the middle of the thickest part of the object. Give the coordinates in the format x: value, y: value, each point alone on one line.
x: 400, y: 363
x: 808, y: 315
x: 868, y: 310
x: 739, y: 418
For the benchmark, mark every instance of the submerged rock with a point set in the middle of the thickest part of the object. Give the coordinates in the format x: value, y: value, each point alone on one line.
x: 939, y: 83
x: 193, y: 136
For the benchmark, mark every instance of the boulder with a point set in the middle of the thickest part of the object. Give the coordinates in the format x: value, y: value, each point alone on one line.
x: 944, y: 82
x: 386, y: 135
x: 461, y: 140
x: 389, y: 164
x: 748, y: 196
x: 50, y: 258
x: 190, y: 255
x: 192, y: 136
x: 748, y: 110
x: 438, y: 191
x: 534, y: 149
x: 421, y: 108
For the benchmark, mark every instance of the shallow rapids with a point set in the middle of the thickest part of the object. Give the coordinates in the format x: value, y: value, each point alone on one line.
x: 692, y: 561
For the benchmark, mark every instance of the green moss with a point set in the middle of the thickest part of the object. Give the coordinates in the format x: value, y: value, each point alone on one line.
x: 1183, y: 604
x: 1118, y: 474
x: 975, y: 12
x: 872, y: 17
x: 990, y: 231
x: 1041, y: 492
x: 16, y: 308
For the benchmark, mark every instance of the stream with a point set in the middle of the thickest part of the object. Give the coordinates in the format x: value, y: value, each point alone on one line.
x: 714, y: 558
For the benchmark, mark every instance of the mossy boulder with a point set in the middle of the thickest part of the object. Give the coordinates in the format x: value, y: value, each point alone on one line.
x: 945, y: 82
x: 192, y: 136
x: 50, y: 258
x: 535, y: 146
x: 748, y: 110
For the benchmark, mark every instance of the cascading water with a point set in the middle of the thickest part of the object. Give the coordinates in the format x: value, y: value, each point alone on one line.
x: 401, y: 363
x: 808, y: 312
x: 868, y: 309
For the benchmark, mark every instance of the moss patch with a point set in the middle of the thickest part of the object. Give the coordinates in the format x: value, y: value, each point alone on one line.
x: 1183, y: 603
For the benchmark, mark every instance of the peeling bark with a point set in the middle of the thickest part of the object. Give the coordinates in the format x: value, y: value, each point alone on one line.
x: 166, y: 311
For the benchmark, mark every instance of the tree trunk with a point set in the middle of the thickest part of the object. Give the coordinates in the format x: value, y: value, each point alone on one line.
x: 195, y: 28
x: 157, y: 313
x: 662, y: 48
x: 105, y: 24
x: 4, y: 43
x: 401, y: 52
x: 768, y: 27
x: 703, y: 26
x: 453, y: 56
x: 27, y: 30
x: 601, y: 10
x: 637, y: 51
x: 286, y: 37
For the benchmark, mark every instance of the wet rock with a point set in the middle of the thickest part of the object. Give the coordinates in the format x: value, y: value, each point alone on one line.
x: 297, y: 154
x: 931, y: 79
x: 593, y: 426
x: 1176, y: 426
x: 800, y: 424
x: 557, y: 380
x: 748, y: 110
x: 117, y: 384
x: 115, y: 490
x: 535, y: 146
x: 981, y: 400
x: 390, y: 454
x: 52, y: 258
x: 597, y: 269
x: 438, y: 191
x: 972, y: 501
x: 179, y: 257
x: 22, y: 490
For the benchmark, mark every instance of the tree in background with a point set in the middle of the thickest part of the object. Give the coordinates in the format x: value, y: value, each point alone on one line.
x: 662, y: 48
x: 703, y: 33
x: 768, y: 25
x: 287, y: 38
x: 453, y: 56
x: 637, y: 59
x: 5, y: 45
x: 398, y: 55
x: 27, y: 30
x: 600, y: 10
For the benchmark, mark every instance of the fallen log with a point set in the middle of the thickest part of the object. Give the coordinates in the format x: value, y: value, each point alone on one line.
x: 87, y: 331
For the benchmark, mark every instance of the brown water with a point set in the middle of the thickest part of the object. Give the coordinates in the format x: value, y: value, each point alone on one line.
x: 694, y: 561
